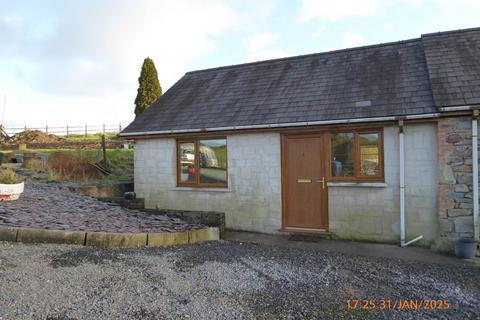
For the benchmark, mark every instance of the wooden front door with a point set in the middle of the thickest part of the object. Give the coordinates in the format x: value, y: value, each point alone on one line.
x: 305, y: 193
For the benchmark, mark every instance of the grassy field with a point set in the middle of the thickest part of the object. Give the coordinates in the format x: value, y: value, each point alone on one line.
x: 120, y: 161
x: 89, y: 137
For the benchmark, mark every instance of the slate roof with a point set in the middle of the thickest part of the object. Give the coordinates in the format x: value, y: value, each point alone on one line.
x: 453, y: 60
x: 393, y: 79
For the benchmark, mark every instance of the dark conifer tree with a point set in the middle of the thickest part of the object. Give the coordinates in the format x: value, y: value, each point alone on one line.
x: 149, y: 89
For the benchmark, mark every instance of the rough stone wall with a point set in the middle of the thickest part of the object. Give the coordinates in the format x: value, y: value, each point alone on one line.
x: 373, y: 214
x: 253, y: 198
x: 455, y: 180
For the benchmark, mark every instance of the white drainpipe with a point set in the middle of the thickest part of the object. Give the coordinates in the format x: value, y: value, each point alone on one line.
x: 401, y: 136
x: 402, y: 183
x: 475, y: 174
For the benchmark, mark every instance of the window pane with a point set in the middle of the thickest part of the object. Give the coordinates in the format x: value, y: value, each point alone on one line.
x: 187, y: 162
x: 342, y: 154
x: 369, y: 154
x: 213, y: 161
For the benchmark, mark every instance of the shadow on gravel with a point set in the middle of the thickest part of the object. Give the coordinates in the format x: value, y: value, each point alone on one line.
x: 59, y: 317
x: 83, y: 255
x: 224, y: 252
x: 100, y: 256
x: 6, y: 264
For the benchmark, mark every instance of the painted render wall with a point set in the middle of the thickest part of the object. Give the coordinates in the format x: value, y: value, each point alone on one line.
x: 253, y: 199
x: 366, y: 213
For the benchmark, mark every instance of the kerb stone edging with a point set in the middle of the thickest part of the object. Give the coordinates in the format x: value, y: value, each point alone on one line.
x: 202, y: 235
x: 108, y: 239
x: 32, y: 235
x: 120, y: 240
x: 8, y: 234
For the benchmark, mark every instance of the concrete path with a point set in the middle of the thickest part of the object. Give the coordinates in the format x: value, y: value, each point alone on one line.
x: 354, y: 248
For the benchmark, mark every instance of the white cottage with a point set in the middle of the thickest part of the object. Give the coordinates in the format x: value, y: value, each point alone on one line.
x: 372, y: 143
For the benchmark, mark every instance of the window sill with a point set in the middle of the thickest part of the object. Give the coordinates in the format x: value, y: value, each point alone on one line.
x: 358, y: 184
x: 201, y: 189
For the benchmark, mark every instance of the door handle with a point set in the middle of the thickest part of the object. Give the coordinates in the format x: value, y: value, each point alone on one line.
x: 322, y: 181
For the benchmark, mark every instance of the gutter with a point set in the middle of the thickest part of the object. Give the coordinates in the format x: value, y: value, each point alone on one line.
x: 458, y: 108
x: 285, y: 125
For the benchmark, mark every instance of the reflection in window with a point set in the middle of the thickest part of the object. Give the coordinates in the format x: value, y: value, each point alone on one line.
x: 187, y: 162
x: 369, y: 154
x: 342, y: 154
x: 213, y: 161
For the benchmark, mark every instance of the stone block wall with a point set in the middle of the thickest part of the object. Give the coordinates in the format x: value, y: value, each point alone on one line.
x: 373, y: 213
x: 252, y: 200
x: 455, y: 180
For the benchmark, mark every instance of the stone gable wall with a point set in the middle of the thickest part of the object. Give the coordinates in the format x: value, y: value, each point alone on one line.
x: 455, y: 180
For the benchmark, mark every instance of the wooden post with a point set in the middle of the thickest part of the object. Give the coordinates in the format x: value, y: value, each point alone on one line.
x: 119, y: 127
x: 46, y: 129
x: 67, y: 130
x: 104, y: 149
x: 86, y: 130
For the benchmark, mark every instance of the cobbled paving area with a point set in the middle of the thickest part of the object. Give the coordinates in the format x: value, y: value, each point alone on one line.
x: 54, y: 206
x: 223, y: 280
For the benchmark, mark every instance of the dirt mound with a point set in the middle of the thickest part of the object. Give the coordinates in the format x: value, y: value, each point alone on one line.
x: 34, y: 136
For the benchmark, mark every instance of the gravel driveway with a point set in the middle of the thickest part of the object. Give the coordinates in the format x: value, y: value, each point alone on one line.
x: 221, y: 280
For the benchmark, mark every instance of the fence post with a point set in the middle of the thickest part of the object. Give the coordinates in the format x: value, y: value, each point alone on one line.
x: 104, y: 149
x: 120, y: 127
x: 67, y: 130
x: 104, y: 129
x: 85, y: 130
x: 46, y: 129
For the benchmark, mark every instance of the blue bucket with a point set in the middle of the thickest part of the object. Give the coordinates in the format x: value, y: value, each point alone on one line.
x: 465, y: 248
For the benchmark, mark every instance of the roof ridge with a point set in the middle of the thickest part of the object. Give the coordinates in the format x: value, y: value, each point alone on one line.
x: 307, y: 55
x: 450, y: 31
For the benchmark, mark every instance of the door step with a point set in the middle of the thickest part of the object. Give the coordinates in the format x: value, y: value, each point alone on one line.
x: 307, y: 235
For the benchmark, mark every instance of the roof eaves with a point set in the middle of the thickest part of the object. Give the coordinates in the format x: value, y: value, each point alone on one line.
x: 285, y: 125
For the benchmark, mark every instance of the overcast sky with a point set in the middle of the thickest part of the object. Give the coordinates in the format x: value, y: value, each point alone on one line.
x: 77, y: 62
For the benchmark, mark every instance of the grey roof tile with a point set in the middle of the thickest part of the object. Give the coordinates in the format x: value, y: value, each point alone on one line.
x: 453, y: 60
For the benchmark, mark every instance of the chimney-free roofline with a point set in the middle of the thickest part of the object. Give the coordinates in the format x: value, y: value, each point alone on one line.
x: 286, y: 125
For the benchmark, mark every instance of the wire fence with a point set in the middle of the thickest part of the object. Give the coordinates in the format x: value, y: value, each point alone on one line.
x: 69, y: 130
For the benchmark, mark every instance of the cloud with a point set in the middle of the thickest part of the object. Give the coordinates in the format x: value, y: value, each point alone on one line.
x: 86, y: 56
x: 263, y: 46
x: 352, y: 40
x: 336, y: 10
x: 114, y: 37
x: 265, y: 55
x: 262, y: 40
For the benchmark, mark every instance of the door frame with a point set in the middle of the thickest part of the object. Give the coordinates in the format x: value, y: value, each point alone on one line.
x: 325, y: 141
